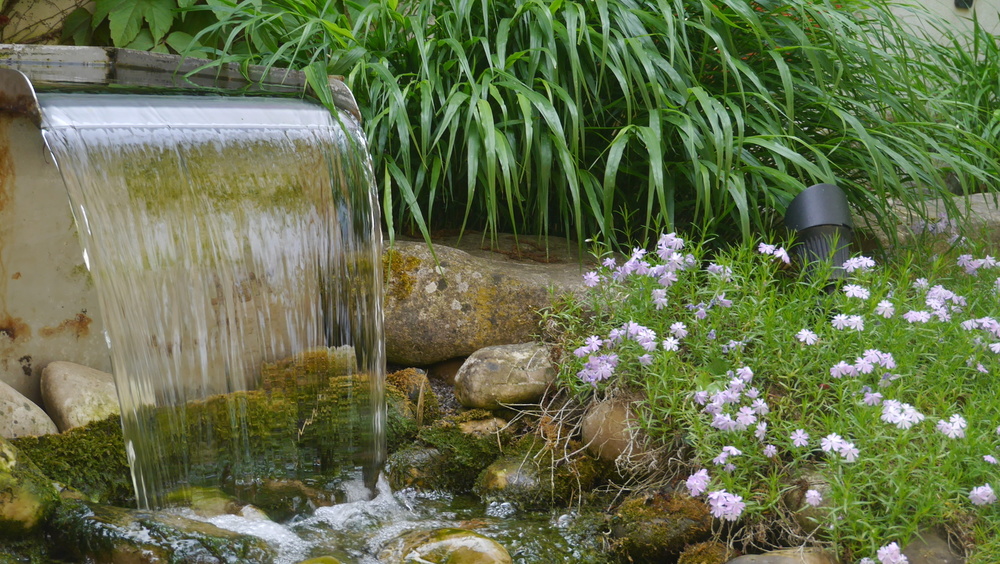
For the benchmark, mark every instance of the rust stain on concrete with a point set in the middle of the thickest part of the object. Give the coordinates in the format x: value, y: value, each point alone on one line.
x: 14, y: 328
x: 78, y: 325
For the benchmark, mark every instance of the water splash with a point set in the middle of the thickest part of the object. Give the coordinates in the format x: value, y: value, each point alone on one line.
x: 235, y: 248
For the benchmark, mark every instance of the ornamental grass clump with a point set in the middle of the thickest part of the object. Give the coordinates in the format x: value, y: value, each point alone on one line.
x: 756, y: 374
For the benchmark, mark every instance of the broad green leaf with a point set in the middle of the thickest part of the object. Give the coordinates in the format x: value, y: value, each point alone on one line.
x: 77, y: 27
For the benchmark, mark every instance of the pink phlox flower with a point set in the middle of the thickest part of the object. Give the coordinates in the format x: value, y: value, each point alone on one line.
x: 942, y: 314
x: 872, y: 398
x: 782, y: 254
x: 866, y: 560
x: 671, y: 344
x: 981, y: 368
x: 902, y: 415
x: 863, y: 366
x: 645, y: 360
x: 858, y: 263
x: 856, y: 322
x: 799, y: 438
x: 713, y: 408
x: 806, y: 336
x: 885, y: 309
x: 831, y: 442
x: 813, y: 498
x: 761, y: 431
x: 887, y: 379
x: 760, y: 407
x: 722, y: 301
x: 989, y: 324
x: 729, y: 467
x: 725, y: 505
x: 733, y: 345
x: 745, y: 418
x: 737, y: 385
x: 660, y: 298
x: 697, y: 483
x: 848, y: 451
x: 856, y: 291
x: 917, y: 316
x: 724, y: 422
x: 591, y: 279
x: 745, y: 373
x: 701, y: 397
x: 839, y: 321
x: 701, y: 313
x: 989, y: 458
x: 970, y: 324
x: 770, y: 451
x: 726, y: 396
x: 642, y: 268
x: 995, y: 347
x: 723, y: 272
x: 667, y: 279
x: 670, y: 241
x: 890, y: 554
x: 609, y: 262
x: 765, y: 249
x: 920, y: 284
x: 983, y: 495
x: 752, y: 393
x: 953, y: 428
x: 678, y: 330
x: 842, y: 369
x: 964, y: 260
x: 598, y: 368
x: 886, y: 360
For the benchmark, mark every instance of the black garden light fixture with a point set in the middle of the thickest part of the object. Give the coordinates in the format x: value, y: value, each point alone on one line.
x: 824, y: 230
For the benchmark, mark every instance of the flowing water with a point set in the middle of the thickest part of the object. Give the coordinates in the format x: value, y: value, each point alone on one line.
x: 235, y: 248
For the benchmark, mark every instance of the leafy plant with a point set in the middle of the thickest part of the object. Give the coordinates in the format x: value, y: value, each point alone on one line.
x: 161, y: 26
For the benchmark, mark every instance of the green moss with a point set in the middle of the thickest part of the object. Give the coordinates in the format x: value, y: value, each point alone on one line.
x: 400, y: 422
x: 464, y: 455
x: 90, y: 459
x: 710, y: 552
x: 417, y: 387
x: 398, y: 272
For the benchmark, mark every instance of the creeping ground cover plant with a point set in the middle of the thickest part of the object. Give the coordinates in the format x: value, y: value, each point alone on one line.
x: 849, y: 414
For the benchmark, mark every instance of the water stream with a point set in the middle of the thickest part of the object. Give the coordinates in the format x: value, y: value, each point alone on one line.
x: 235, y: 248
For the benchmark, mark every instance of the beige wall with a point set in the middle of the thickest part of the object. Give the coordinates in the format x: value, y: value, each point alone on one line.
x: 36, y: 21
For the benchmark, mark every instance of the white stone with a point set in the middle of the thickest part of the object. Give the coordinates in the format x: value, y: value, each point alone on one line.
x: 21, y: 417
x: 76, y: 395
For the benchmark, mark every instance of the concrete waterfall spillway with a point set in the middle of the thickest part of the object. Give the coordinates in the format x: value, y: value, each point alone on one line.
x: 234, y: 244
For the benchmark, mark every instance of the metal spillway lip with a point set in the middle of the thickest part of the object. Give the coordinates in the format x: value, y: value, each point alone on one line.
x: 82, y: 111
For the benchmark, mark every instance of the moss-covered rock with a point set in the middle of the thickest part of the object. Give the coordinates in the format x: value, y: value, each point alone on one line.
x: 90, y: 459
x: 27, y: 497
x: 400, y: 421
x: 463, y: 455
x: 534, y: 475
x: 419, y: 467
x: 656, y: 527
x: 709, y: 552
x: 417, y: 387
x: 98, y: 533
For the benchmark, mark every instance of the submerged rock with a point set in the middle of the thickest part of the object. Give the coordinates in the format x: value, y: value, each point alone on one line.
x: 505, y: 375
x: 27, y: 497
x: 656, y: 527
x: 21, y: 417
x: 533, y: 475
x: 98, y: 533
x: 75, y: 395
x: 444, y: 546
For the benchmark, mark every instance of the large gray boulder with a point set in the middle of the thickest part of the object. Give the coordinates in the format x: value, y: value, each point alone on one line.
x: 21, y: 417
x: 505, y: 375
x: 436, y: 311
x: 75, y: 395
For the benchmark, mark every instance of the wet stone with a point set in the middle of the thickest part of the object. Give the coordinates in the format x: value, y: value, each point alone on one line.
x: 21, y: 417
x: 505, y: 375
x: 657, y: 527
x: 75, y: 395
x: 788, y: 556
x: 444, y: 546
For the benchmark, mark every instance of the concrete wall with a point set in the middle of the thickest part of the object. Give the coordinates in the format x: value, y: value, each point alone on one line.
x: 48, y: 307
x: 36, y: 21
